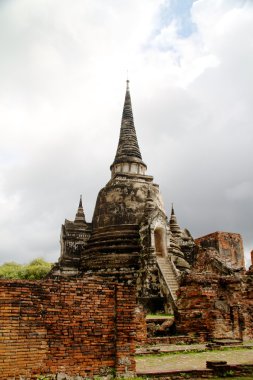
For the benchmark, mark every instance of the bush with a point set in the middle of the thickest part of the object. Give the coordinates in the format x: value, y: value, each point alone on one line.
x: 35, y: 270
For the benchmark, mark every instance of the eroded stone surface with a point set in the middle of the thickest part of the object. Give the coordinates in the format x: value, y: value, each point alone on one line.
x: 74, y: 237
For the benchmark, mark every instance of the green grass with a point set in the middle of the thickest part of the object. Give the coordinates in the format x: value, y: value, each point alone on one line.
x: 157, y: 316
x: 188, y: 352
x: 188, y: 376
x: 234, y: 378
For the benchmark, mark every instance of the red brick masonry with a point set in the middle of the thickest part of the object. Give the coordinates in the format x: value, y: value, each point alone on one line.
x: 212, y: 306
x: 229, y: 246
x: 80, y: 327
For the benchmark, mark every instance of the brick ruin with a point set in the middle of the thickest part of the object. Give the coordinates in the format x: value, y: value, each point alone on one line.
x: 85, y: 319
x: 77, y: 328
x: 215, y: 300
x: 227, y: 246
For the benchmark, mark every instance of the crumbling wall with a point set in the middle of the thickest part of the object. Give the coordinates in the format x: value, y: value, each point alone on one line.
x: 213, y: 305
x: 81, y: 327
x: 141, y: 325
x: 248, y: 303
x: 229, y: 247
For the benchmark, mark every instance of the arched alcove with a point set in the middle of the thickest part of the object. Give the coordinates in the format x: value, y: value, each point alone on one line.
x: 160, y: 241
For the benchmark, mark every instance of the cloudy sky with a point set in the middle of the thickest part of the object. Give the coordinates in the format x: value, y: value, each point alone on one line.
x: 63, y: 66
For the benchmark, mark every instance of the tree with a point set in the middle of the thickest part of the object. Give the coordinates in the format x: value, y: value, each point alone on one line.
x: 35, y: 270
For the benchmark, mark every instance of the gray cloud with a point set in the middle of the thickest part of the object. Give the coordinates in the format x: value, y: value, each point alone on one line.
x: 62, y: 72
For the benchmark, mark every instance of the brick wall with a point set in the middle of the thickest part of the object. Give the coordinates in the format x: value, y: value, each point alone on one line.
x: 247, y: 301
x: 81, y: 327
x: 141, y: 325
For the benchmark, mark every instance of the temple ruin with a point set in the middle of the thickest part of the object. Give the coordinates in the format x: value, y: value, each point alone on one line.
x: 130, y: 234
x: 130, y: 239
x: 85, y: 319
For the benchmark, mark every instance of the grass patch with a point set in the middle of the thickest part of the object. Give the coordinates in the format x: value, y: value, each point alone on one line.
x: 157, y: 316
x: 190, y: 352
x: 232, y: 377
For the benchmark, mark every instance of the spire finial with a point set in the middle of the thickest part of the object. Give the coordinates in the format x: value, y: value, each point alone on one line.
x: 80, y: 217
x: 128, y: 150
x: 174, y: 227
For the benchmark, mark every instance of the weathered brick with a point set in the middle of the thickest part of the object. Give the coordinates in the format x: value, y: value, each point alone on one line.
x: 66, y: 326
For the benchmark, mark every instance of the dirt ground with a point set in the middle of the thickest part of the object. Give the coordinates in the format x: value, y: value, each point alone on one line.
x: 191, y: 361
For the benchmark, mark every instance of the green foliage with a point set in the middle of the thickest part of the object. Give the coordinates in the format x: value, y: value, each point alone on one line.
x: 35, y: 270
x: 229, y: 373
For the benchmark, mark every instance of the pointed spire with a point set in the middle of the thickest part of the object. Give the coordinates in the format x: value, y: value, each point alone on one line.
x: 80, y: 217
x: 174, y: 227
x: 128, y: 150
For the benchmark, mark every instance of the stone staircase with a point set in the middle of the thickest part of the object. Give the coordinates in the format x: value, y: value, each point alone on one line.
x: 169, y: 276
